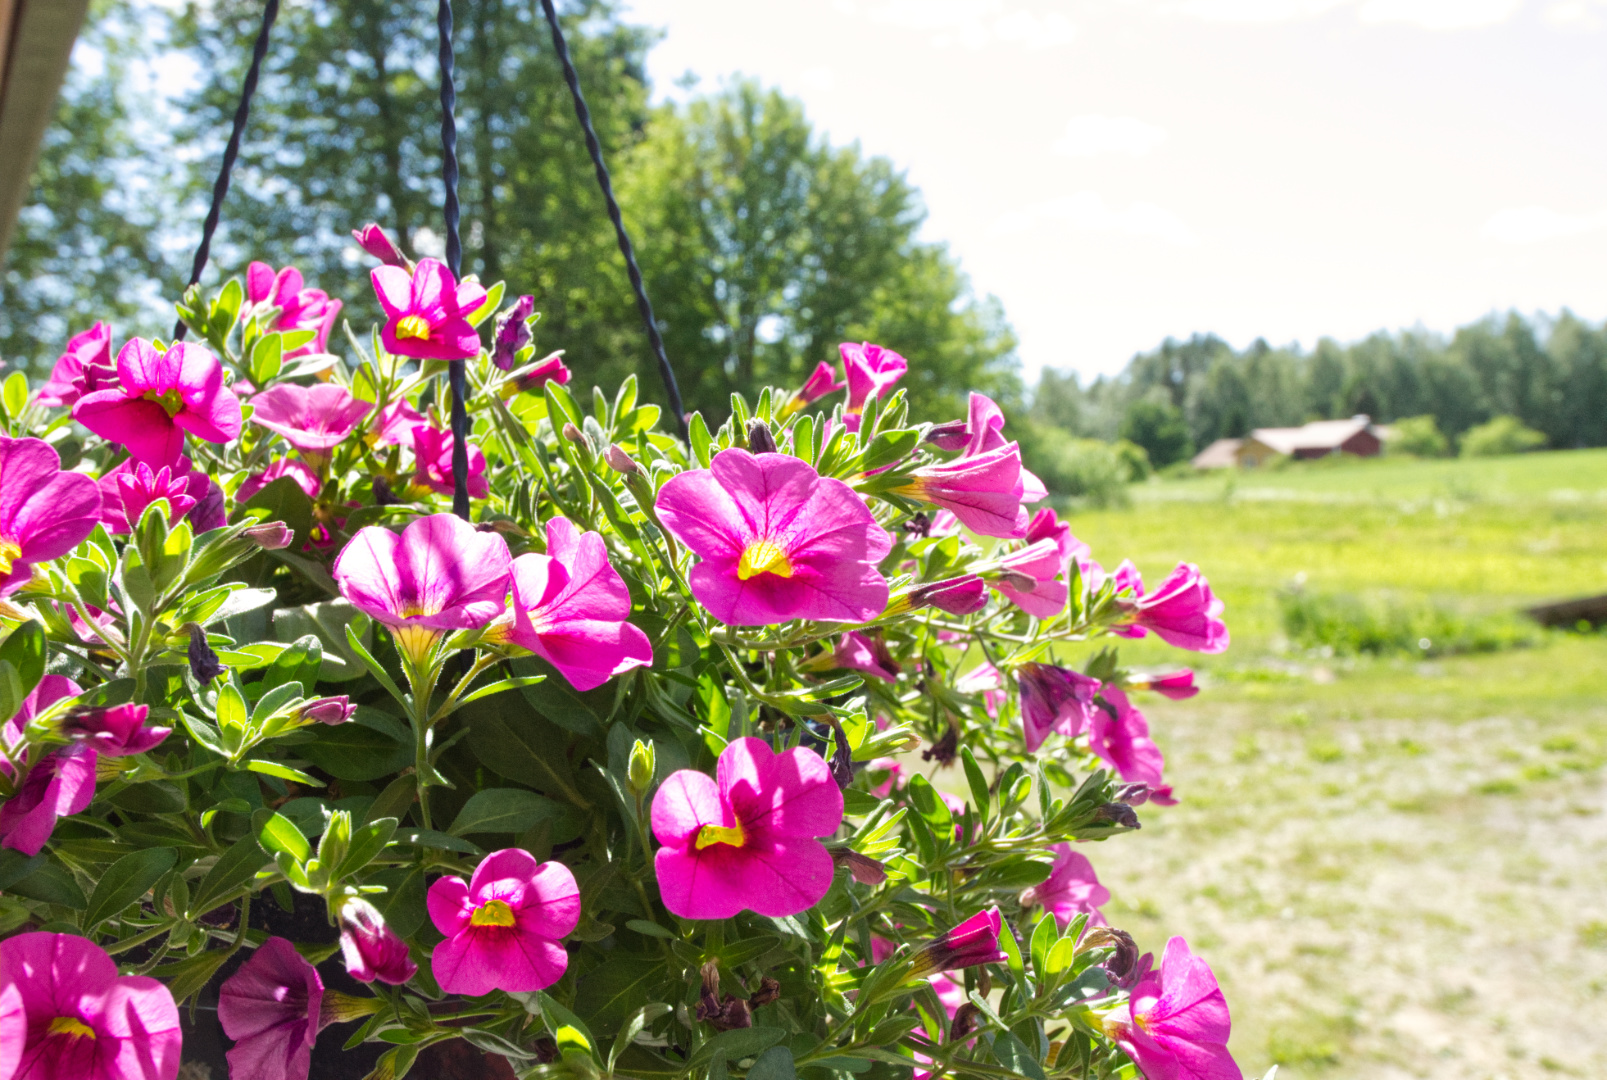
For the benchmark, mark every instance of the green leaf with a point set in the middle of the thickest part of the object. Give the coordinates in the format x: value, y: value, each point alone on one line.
x: 356, y: 752
x: 493, y: 299
x: 616, y: 988
x: 267, y: 357
x: 50, y: 883
x: 24, y: 650
x: 734, y: 1045
x: 503, y: 810
x: 283, y: 500
x: 279, y: 834
x: 126, y: 880
x: 639, y: 1020
x: 366, y: 843
x: 932, y: 808
x: 327, y: 622
x: 188, y: 976
x: 1013, y: 1054
x: 976, y: 781
x: 402, y: 903
x: 513, y: 740
x: 355, y: 643
x: 431, y: 839
x: 888, y: 447
x: 16, y: 394
x: 1044, y: 936
x: 859, y: 803
x: 698, y: 432
x: 14, y: 866
x: 569, y: 1030
x: 283, y: 772
x: 299, y: 663
x: 774, y: 1064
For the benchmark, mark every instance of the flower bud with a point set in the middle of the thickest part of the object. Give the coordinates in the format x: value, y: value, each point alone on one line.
x: 270, y: 535
x: 204, y: 664
x: 971, y: 944
x: 954, y: 435
x: 512, y: 332
x: 1117, y: 813
x: 574, y: 434
x: 964, y: 595
x: 760, y: 439
x: 1124, y: 961
x: 865, y: 870
x: 769, y: 991
x: 372, y: 239
x: 547, y: 369
x: 640, y: 771
x: 944, y: 750
x: 966, y: 1020
x: 370, y: 948
x: 620, y: 461
x: 329, y: 710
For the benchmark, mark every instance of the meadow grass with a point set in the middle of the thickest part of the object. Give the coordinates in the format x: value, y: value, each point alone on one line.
x: 1398, y: 867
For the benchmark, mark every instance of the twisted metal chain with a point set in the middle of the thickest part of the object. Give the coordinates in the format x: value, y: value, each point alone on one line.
x: 456, y: 373
x: 643, y: 305
x: 220, y: 187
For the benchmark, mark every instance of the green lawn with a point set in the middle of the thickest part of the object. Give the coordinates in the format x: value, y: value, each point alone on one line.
x: 1398, y: 867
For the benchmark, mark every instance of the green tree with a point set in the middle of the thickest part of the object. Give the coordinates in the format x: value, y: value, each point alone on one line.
x: 1420, y: 436
x: 1158, y: 427
x: 1502, y: 435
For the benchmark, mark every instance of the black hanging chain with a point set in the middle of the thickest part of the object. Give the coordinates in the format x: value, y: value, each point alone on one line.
x: 456, y: 374
x: 643, y: 305
x: 220, y: 187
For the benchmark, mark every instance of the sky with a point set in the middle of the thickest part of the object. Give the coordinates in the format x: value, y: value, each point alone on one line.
x: 1118, y: 171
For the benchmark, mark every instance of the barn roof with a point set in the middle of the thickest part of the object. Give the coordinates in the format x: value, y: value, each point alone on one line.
x: 1222, y: 454
x: 1317, y: 435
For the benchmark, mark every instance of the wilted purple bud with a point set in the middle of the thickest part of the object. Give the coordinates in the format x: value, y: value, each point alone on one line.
x: 370, y: 948
x: 512, y: 332
x: 722, y: 1013
x: 954, y: 435
x: 204, y: 664
x: 944, y: 750
x: 329, y: 710
x: 965, y: 1021
x: 373, y: 240
x: 383, y: 495
x: 971, y: 944
x: 965, y: 595
x: 1123, y: 963
x: 270, y: 535
x: 1117, y: 813
x: 760, y: 439
x: 620, y: 461
x: 769, y: 991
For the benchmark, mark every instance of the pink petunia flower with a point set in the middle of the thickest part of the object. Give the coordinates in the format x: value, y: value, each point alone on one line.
x: 1072, y: 887
x: 821, y: 381
x: 1032, y: 579
x: 746, y: 838
x: 570, y: 608
x: 1182, y: 611
x: 893, y: 779
x: 1177, y: 685
x: 160, y: 397
x: 65, y: 1014
x: 777, y: 541
x: 299, y: 308
x: 273, y: 1009
x: 396, y: 423
x: 370, y: 948
x: 984, y: 491
x: 44, y: 512
x: 441, y: 573
x: 1176, y: 1023
x: 1045, y: 525
x: 60, y: 784
x: 305, y: 479
x: 503, y: 927
x: 984, y: 427
x: 432, y: 461
x: 984, y: 679
x: 427, y: 312
x: 1055, y: 700
x: 870, y: 370
x: 114, y: 731
x: 548, y: 369
x: 1119, y: 734
x: 857, y: 652
x: 128, y: 489
x: 85, y: 367
x: 313, y: 419
x: 372, y: 239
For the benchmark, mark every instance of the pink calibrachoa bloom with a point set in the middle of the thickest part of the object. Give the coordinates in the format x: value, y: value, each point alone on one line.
x: 984, y: 679
x: 128, y: 489
x: 503, y: 927
x: 984, y: 491
x: 396, y: 423
x: 548, y: 369
x: 1046, y: 526
x: 160, y: 397
x: 971, y: 944
x: 59, y: 784
x: 857, y: 652
x: 439, y: 574
x: 984, y: 430
x: 1072, y: 887
x: 372, y: 239
x: 1119, y: 734
x: 746, y: 838
x: 313, y: 419
x: 1177, y: 685
x: 273, y: 1009
x: 963, y: 595
x: 44, y: 512
x: 1055, y: 700
x: 570, y: 608
x: 893, y: 779
x: 85, y: 367
x: 328, y: 710
x: 1176, y: 1023
x: 427, y: 312
x: 1032, y: 579
x: 432, y: 461
x: 370, y: 948
x: 305, y: 479
x: 822, y: 381
x: 870, y: 370
x: 1182, y: 611
x: 68, y: 1015
x: 113, y: 731
x: 299, y: 308
x: 778, y: 541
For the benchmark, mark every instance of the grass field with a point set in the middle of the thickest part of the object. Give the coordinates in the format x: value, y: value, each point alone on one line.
x: 1397, y: 866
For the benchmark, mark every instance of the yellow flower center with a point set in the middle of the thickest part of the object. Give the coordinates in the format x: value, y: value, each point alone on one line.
x: 492, y: 913
x: 413, y: 326
x: 169, y: 400
x: 71, y: 1025
x: 10, y: 552
x: 709, y: 835
x: 763, y: 557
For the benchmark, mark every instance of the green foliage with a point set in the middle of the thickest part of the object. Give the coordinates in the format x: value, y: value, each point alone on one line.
x: 1091, y: 471
x: 1419, y: 436
x: 1158, y: 427
x: 1502, y: 435
x: 1384, y: 624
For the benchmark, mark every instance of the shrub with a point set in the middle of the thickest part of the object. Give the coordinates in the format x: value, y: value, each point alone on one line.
x: 1134, y: 459
x: 1159, y: 427
x: 1386, y: 624
x: 1419, y: 436
x: 1503, y: 435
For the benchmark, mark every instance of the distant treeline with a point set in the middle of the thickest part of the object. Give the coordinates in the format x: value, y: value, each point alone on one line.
x: 1549, y: 373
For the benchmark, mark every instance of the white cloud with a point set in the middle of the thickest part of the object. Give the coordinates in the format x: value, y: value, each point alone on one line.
x: 1255, y: 11
x: 1537, y: 224
x: 1088, y: 212
x: 1094, y: 135
x: 970, y: 23
x: 1439, y: 14
x: 1584, y: 14
x: 819, y: 78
